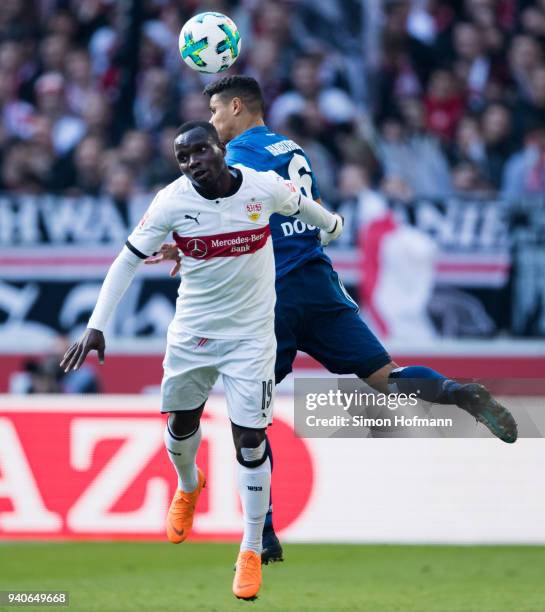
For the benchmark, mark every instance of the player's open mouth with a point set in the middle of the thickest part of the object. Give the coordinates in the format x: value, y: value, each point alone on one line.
x: 199, y: 174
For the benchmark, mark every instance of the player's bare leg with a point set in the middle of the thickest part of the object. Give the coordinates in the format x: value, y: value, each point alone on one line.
x: 434, y: 387
x: 182, y: 441
x: 254, y: 483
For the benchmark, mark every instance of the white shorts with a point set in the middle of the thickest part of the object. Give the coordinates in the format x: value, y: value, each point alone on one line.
x: 193, y: 364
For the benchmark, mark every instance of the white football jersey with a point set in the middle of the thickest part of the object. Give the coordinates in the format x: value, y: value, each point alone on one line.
x: 227, y: 287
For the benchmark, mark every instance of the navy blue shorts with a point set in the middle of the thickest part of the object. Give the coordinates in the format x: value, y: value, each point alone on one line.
x: 315, y: 314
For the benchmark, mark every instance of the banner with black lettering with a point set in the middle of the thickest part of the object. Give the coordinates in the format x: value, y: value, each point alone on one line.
x: 55, y: 251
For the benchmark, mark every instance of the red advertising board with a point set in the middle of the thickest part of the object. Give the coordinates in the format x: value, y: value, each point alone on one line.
x: 76, y: 467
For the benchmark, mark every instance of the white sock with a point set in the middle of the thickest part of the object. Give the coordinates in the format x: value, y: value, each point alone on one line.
x: 254, y: 487
x: 182, y: 453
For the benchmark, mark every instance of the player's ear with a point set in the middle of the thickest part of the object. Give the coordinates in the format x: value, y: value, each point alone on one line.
x: 236, y: 106
x: 222, y: 148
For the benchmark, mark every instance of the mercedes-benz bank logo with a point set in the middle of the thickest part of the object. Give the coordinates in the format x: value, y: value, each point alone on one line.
x: 197, y: 248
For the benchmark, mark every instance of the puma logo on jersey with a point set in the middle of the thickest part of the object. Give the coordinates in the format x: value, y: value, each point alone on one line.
x: 196, y: 218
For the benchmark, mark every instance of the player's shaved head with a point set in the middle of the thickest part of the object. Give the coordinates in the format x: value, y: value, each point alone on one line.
x: 193, y: 125
x: 238, y: 86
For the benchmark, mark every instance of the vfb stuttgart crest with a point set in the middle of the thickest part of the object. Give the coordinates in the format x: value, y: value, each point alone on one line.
x: 253, y: 210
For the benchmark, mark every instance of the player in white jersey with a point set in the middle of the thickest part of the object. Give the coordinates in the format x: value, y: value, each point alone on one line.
x: 224, y: 321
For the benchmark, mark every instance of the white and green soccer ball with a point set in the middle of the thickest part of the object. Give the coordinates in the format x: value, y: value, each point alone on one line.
x: 209, y: 42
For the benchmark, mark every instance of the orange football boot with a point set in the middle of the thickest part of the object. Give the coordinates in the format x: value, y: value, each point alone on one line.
x: 247, y: 576
x: 180, y: 514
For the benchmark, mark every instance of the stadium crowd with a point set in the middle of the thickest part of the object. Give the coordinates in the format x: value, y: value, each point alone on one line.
x: 450, y: 100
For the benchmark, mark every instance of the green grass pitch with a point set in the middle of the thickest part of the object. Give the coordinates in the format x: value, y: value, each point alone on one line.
x: 119, y: 576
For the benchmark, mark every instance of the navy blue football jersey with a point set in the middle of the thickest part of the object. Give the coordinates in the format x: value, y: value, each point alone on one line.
x: 294, y: 242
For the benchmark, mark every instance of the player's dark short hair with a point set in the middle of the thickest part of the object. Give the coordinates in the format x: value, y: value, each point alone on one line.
x: 205, y: 125
x: 238, y: 86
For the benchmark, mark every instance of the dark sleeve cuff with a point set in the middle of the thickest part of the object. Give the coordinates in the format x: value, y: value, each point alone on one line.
x: 298, y: 207
x: 134, y: 250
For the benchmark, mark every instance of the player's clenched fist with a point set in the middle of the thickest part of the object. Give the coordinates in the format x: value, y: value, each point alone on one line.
x: 92, y: 340
x: 327, y: 236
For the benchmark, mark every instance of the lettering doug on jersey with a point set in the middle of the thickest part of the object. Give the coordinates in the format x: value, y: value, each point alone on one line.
x: 289, y: 228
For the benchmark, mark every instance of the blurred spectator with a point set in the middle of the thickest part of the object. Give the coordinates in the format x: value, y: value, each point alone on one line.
x: 64, y: 23
x: 16, y: 115
x: 468, y: 179
x: 44, y: 375
x: 396, y: 188
x: 164, y: 167
x: 263, y: 65
x: 274, y: 22
x: 88, y: 167
x: 14, y: 169
x: 533, y: 19
x: 97, y: 115
x: 136, y: 151
x: 41, y: 158
x: 102, y: 47
x: 444, y: 104
x: 193, y: 107
x: 81, y: 85
x: 498, y: 142
x: 524, y: 173
x: 484, y: 14
x: 17, y: 18
x: 38, y: 376
x: 153, y: 107
x: 357, y: 198
x: 524, y: 55
x: 152, y: 46
x: 427, y: 18
x: 333, y: 28
x: 119, y: 183
x: 12, y: 58
x: 51, y: 103
x: 468, y: 143
x: 408, y: 152
x: 472, y: 64
x: 53, y: 52
x: 334, y: 104
x: 297, y: 128
x: 528, y: 112
x: 406, y: 62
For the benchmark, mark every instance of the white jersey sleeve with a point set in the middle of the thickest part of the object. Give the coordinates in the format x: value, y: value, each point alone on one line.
x: 285, y: 194
x: 115, y: 284
x: 289, y: 201
x: 153, y: 228
x: 145, y: 239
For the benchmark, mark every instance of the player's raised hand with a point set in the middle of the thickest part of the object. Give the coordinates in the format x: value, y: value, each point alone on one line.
x: 92, y: 340
x: 167, y: 252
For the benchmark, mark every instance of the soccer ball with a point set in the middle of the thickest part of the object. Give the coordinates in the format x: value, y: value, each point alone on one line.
x: 209, y: 42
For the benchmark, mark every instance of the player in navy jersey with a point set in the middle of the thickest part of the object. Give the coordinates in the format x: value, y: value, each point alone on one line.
x: 313, y: 311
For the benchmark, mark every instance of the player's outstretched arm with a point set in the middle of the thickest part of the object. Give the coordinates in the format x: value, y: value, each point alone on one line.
x: 168, y: 252
x: 312, y: 213
x: 92, y: 340
x: 115, y: 284
x: 291, y: 202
